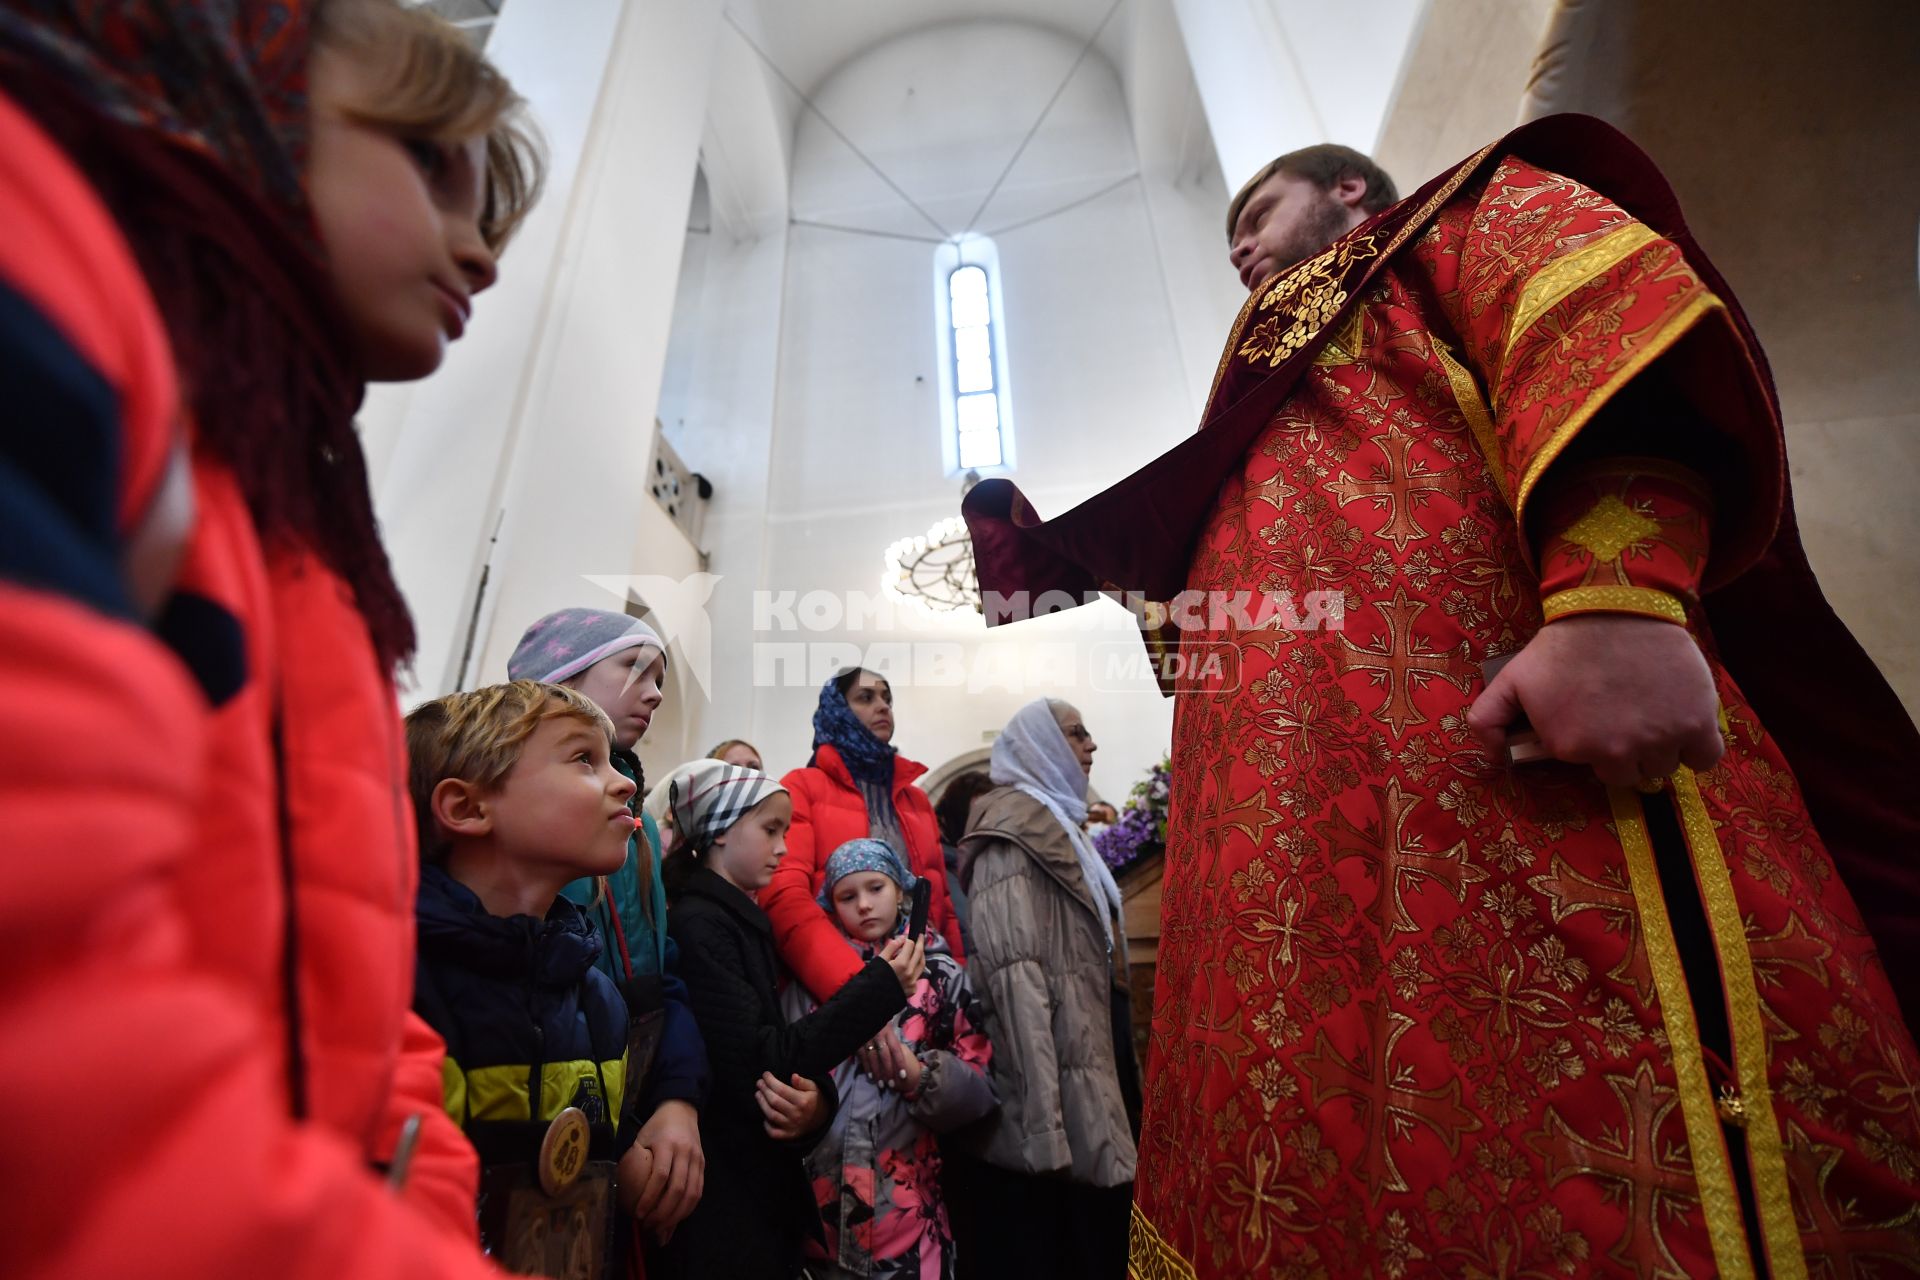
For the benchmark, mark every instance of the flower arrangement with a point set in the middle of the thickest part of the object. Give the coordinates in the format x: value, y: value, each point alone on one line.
x: 1142, y: 828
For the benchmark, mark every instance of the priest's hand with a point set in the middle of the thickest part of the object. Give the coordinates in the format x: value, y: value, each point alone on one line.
x: 1631, y: 696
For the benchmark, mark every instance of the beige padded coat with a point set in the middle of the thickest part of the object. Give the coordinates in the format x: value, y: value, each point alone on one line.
x: 1041, y: 967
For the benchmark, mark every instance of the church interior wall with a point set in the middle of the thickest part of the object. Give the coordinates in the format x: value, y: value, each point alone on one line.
x: 1096, y: 380
x: 1466, y: 71
x: 565, y: 362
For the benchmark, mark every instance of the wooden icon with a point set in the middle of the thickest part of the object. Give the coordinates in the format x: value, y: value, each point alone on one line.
x: 563, y: 1152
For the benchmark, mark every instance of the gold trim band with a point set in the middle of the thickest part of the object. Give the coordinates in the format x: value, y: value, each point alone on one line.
x: 1765, y: 1156
x: 1645, y: 601
x: 1149, y: 1256
x: 1670, y: 333
x: 1562, y: 276
x: 1712, y: 1170
x: 1473, y: 407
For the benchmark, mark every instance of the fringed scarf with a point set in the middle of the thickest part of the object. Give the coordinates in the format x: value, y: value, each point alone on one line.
x: 190, y: 119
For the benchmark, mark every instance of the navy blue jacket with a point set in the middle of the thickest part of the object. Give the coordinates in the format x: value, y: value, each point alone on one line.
x: 531, y: 1025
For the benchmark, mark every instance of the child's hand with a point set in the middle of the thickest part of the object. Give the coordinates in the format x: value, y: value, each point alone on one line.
x: 891, y: 1064
x: 630, y: 1175
x: 792, y: 1110
x: 907, y: 957
x: 668, y: 1182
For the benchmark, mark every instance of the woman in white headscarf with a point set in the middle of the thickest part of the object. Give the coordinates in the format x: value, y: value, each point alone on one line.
x: 1051, y: 959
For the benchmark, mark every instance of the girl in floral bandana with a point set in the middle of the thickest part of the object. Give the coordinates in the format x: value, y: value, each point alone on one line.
x: 876, y: 1174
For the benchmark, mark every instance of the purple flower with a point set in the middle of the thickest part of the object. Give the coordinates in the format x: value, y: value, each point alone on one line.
x: 1142, y: 822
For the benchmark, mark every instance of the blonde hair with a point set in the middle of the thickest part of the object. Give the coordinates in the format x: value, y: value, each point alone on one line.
x: 720, y: 752
x: 477, y: 738
x: 438, y: 85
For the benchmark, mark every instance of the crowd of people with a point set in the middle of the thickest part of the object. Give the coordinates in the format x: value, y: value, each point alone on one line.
x: 720, y: 977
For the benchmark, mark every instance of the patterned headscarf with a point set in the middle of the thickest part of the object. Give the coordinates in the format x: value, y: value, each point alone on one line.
x: 565, y: 643
x: 190, y: 119
x: 867, y: 758
x: 712, y: 795
x: 863, y: 854
x: 226, y: 79
x: 659, y: 802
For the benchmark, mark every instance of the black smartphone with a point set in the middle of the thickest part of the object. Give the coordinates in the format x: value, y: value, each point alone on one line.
x: 922, y: 893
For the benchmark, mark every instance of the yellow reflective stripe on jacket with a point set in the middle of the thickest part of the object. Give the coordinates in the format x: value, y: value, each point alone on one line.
x: 500, y: 1092
x: 453, y: 1089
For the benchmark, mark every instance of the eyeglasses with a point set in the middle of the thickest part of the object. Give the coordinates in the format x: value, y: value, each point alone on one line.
x: 1079, y: 733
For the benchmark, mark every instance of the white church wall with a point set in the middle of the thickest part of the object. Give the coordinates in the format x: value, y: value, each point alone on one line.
x: 676, y: 378
x: 1277, y: 75
x: 1186, y: 192
x: 544, y: 411
x: 438, y: 451
x: 723, y: 362
x: 1098, y: 381
x: 725, y: 433
x: 578, y: 475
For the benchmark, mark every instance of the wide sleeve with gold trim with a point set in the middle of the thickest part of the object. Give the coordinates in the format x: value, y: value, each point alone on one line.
x: 1626, y: 535
x: 1560, y: 300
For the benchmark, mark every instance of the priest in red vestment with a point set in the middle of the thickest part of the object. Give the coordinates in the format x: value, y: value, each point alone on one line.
x: 1613, y: 1005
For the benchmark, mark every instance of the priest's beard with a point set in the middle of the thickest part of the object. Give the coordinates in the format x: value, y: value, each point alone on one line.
x: 1324, y: 223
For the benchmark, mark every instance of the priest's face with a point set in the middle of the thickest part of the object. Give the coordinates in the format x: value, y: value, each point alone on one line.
x: 1289, y: 219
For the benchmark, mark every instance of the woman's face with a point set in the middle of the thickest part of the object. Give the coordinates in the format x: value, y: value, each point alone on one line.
x: 1068, y: 718
x: 743, y: 755
x: 400, y: 218
x: 872, y: 701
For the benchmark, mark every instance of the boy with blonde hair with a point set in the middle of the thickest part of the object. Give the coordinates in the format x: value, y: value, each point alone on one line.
x: 515, y: 795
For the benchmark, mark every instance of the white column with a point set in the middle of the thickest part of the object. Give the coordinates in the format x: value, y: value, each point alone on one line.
x: 1257, y: 100
x: 579, y: 467
x: 1185, y: 197
x: 543, y: 411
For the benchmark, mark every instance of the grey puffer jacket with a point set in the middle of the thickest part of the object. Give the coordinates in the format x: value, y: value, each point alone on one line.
x: 1040, y: 965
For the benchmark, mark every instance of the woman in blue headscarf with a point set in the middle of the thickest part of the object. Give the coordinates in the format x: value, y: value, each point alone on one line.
x: 855, y: 785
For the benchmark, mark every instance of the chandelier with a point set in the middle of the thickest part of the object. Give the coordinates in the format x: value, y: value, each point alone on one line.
x: 935, y: 570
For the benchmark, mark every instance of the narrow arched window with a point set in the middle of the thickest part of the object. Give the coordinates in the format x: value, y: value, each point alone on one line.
x: 976, y: 412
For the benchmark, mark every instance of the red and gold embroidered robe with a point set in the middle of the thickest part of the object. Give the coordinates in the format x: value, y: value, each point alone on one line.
x: 1419, y: 1014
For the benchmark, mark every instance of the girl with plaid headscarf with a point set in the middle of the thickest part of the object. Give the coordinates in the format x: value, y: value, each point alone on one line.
x: 773, y: 1092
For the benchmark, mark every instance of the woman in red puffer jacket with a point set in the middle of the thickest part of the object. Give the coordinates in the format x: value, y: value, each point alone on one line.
x: 856, y: 785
